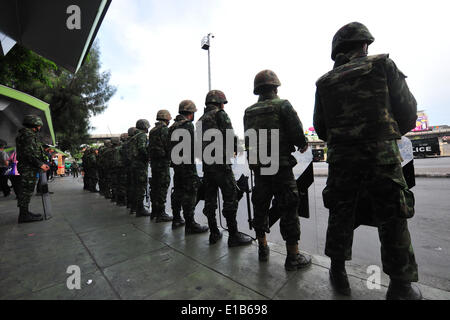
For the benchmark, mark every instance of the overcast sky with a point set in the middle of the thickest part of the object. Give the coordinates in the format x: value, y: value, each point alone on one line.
x: 153, y: 50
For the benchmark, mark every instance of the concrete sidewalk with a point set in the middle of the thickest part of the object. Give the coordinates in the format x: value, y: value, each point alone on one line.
x: 124, y: 257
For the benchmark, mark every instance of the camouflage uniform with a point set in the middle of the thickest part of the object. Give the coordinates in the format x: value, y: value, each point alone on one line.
x: 273, y: 113
x: 101, y: 169
x: 126, y: 156
x: 159, y: 150
x: 218, y: 175
x: 107, y: 166
x: 90, y: 169
x: 138, y: 150
x: 185, y: 179
x: 362, y: 107
x: 30, y: 157
x: 118, y: 174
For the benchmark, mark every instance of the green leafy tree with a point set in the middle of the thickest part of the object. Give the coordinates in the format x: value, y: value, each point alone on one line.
x: 73, y: 98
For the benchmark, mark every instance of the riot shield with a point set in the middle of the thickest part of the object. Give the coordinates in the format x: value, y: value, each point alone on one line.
x: 46, y: 203
x: 406, y: 151
x: 304, y: 173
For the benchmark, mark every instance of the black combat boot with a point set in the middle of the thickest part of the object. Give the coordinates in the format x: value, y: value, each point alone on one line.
x: 215, y: 235
x: 401, y: 290
x: 295, y: 260
x: 177, y: 221
x: 25, y: 216
x: 163, y: 217
x: 142, y: 212
x: 339, y: 278
x: 263, y: 249
x: 193, y: 227
x: 236, y: 238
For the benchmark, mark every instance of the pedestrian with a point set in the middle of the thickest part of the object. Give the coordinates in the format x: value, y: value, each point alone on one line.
x: 4, y: 165
x: 30, y: 158
x: 13, y: 173
x: 185, y: 178
x: 220, y: 175
x: 75, y: 168
x: 363, y: 106
x: 273, y: 113
x: 139, y: 167
x: 159, y: 151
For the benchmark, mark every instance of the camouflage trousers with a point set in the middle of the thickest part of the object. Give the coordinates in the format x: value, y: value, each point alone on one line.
x: 160, y: 185
x: 28, y: 179
x: 283, y: 187
x: 185, y: 186
x: 376, y: 196
x: 90, y: 178
x: 129, y: 186
x: 107, y: 182
x: 223, y: 179
x: 101, y: 180
x: 119, y: 177
x: 139, y: 180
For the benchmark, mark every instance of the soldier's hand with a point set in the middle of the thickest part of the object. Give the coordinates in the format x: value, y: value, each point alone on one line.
x: 303, y: 150
x: 45, y: 167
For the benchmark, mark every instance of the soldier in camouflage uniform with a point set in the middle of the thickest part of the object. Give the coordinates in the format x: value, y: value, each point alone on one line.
x: 30, y: 157
x: 159, y: 149
x: 138, y: 149
x: 101, y: 169
x: 127, y: 163
x: 273, y: 113
x: 118, y: 171
x: 363, y: 106
x: 122, y: 174
x: 90, y: 169
x: 220, y: 175
x: 106, y: 166
x: 185, y: 179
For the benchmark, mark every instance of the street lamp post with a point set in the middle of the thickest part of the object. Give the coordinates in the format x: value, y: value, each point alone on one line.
x: 206, y: 44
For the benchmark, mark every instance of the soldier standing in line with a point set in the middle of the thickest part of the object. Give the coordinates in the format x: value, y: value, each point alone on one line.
x: 363, y: 106
x: 121, y: 171
x: 30, y: 156
x: 116, y: 169
x: 220, y: 175
x: 159, y: 149
x: 138, y: 149
x: 273, y: 113
x: 101, y: 170
x: 127, y: 163
x: 185, y: 179
x: 106, y: 166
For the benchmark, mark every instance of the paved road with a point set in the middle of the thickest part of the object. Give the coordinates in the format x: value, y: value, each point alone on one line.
x: 429, y: 228
x: 429, y: 231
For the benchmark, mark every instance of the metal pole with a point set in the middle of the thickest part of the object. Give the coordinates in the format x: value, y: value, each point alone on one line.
x: 209, y: 69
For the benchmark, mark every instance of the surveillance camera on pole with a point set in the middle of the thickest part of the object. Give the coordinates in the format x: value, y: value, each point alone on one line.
x: 206, y: 44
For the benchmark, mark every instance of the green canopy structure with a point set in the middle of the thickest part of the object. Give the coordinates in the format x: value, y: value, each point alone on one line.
x: 14, y: 105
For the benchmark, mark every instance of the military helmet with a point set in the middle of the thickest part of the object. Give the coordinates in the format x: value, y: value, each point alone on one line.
x: 115, y: 141
x: 3, y: 143
x: 142, y: 124
x: 163, y: 115
x: 32, y: 121
x: 216, y: 96
x: 124, y: 137
x: 187, y: 106
x: 352, y: 32
x: 265, y: 78
x: 108, y: 143
x: 131, y: 131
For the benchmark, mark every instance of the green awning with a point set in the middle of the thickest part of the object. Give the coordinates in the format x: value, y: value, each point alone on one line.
x: 14, y: 105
